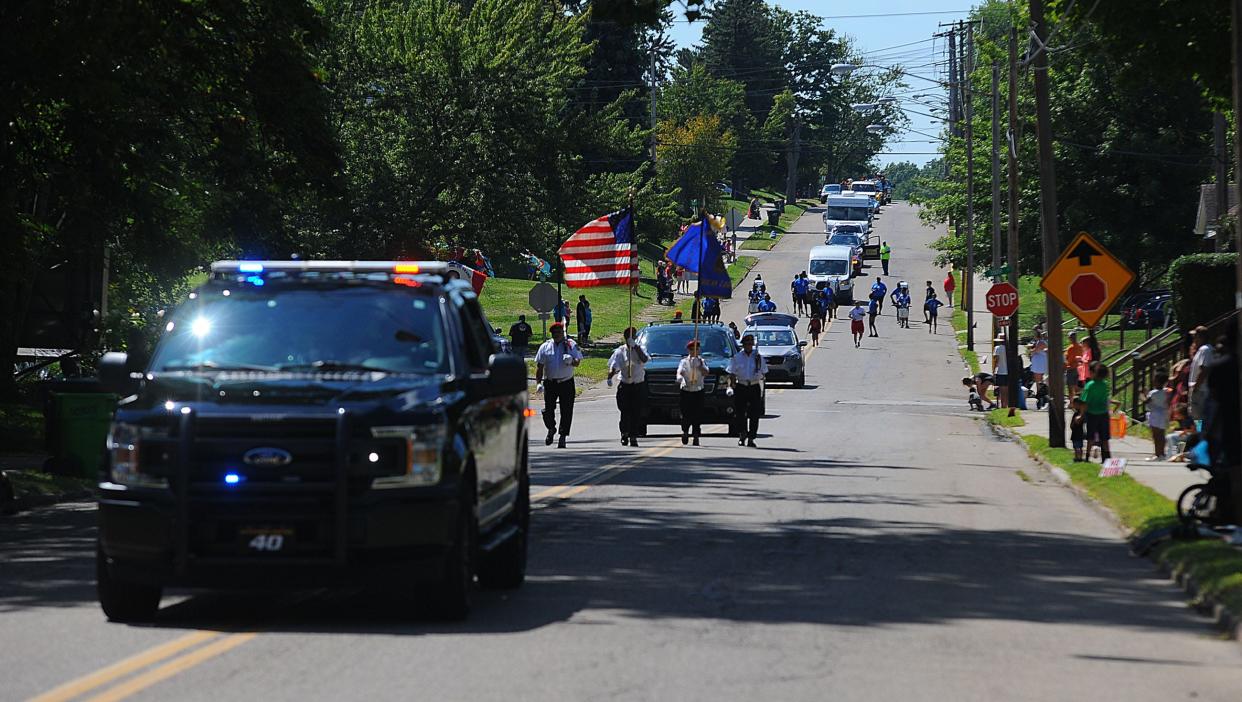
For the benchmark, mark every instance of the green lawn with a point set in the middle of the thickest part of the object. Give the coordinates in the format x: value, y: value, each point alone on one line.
x: 1001, y: 417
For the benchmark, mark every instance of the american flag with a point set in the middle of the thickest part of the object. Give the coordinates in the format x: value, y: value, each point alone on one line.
x: 602, y: 252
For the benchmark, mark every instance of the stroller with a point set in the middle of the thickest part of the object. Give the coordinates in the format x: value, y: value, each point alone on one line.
x: 664, y: 291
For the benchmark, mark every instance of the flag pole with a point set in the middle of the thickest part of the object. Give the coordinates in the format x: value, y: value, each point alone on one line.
x: 704, y: 228
x: 634, y: 236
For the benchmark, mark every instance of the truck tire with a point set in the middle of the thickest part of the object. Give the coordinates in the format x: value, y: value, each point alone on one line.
x: 123, y: 601
x: 505, y: 567
x: 800, y: 381
x: 450, y: 598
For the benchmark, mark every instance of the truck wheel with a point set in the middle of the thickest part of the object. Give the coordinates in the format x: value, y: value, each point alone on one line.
x: 800, y: 381
x: 505, y: 567
x: 122, y: 601
x: 450, y: 598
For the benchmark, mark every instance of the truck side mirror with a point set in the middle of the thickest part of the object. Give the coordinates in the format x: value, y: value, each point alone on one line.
x: 507, y: 374
x: 114, y: 368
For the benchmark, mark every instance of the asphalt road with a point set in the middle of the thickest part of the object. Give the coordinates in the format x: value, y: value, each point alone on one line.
x: 880, y: 544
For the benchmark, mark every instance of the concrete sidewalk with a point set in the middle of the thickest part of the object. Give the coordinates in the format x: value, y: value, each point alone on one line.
x: 1166, y: 477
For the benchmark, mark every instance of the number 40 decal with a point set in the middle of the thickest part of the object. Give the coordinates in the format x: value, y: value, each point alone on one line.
x: 268, y: 542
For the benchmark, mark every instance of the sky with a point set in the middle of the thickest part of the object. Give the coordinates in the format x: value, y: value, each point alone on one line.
x: 885, y: 36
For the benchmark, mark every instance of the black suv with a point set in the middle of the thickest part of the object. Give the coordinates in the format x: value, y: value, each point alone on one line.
x: 307, y: 424
x: 666, y: 344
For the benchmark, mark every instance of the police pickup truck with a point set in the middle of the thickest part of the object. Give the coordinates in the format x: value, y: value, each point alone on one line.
x: 311, y: 424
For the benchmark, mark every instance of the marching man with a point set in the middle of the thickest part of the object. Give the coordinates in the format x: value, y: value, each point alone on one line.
x: 746, y: 371
x: 629, y: 361
x: 556, y: 359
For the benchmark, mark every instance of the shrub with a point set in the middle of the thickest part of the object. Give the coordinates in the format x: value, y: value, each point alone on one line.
x: 1203, y: 285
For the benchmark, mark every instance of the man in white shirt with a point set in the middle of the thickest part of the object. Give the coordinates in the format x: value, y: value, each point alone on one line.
x: 556, y: 360
x: 1204, y: 354
x: 746, y: 371
x: 691, y: 372
x: 629, y: 361
x: 857, y: 315
x: 1000, y: 370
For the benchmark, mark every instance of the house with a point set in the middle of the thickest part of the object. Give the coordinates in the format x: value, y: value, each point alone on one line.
x: 1205, y: 222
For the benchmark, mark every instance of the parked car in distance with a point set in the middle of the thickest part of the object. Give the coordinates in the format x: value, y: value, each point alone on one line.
x: 1130, y: 307
x: 725, y: 188
x: 1156, y: 312
x: 829, y: 189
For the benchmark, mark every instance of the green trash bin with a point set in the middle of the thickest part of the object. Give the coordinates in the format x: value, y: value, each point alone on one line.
x: 78, y: 430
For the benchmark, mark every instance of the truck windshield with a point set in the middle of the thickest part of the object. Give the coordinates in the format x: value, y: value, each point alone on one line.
x: 849, y: 214
x: 325, y: 328
x: 829, y: 266
x: 670, y: 340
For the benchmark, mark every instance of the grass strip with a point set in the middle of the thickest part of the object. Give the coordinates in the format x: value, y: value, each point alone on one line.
x: 1139, y: 507
x: 1000, y: 417
x: 27, y: 483
x: 1214, y: 566
x: 958, y: 320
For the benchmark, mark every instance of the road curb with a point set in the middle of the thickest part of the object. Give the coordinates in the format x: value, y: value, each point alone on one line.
x: 1223, y: 619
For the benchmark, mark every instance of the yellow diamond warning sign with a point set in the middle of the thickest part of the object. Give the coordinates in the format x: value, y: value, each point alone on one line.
x: 1087, y: 280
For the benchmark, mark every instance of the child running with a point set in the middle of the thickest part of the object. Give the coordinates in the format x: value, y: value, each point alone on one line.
x: 857, y: 328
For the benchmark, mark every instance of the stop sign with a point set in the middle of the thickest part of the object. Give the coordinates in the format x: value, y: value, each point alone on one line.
x: 1088, y: 291
x: 1002, y: 299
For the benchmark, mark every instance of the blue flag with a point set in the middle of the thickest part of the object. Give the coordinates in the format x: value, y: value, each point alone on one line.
x: 698, y: 249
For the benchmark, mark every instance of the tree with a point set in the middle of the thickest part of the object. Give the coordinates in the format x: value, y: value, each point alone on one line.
x: 693, y: 155
x: 162, y: 132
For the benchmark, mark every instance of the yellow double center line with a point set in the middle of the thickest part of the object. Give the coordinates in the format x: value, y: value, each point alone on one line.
x: 198, y: 647
x: 193, y: 642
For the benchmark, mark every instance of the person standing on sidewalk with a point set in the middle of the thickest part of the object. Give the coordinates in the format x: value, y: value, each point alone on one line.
x: 690, y: 374
x: 1096, y: 396
x: 1158, y: 414
x: 886, y: 253
x: 1000, y: 367
x: 949, y: 286
x: 746, y: 371
x: 1204, y: 355
x: 629, y: 361
x: 556, y: 360
x: 1073, y: 354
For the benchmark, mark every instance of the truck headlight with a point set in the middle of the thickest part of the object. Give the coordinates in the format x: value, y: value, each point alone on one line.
x: 424, y: 445
x: 124, y: 449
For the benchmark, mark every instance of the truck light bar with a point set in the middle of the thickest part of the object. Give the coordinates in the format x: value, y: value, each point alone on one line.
x: 255, y: 267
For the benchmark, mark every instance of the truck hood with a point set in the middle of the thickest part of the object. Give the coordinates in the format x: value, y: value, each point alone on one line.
x: 231, y: 390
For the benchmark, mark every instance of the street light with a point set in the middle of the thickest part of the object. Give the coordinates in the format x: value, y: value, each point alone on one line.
x: 887, y: 100
x: 865, y: 106
x: 876, y: 128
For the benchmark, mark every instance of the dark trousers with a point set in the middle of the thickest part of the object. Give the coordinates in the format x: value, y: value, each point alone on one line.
x: 558, y: 391
x: 746, y: 406
x: 630, y: 400
x: 691, y: 412
x: 884, y: 262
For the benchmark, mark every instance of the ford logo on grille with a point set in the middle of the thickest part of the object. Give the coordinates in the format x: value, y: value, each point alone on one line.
x: 267, y: 457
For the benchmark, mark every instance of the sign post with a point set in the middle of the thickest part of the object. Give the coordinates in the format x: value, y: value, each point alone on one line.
x: 543, y: 299
x: 1002, y: 302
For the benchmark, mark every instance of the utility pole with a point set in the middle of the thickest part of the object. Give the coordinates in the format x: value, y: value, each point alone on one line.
x: 653, y: 106
x: 1011, y: 346
x: 1222, y: 177
x: 996, y: 199
x: 791, y: 176
x: 953, y: 110
x: 1048, y: 223
x: 1236, y: 470
x: 968, y: 284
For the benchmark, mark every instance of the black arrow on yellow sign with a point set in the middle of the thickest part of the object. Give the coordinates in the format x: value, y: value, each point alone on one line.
x: 1084, y: 252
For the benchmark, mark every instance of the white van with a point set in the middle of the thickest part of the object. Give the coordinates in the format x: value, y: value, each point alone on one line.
x: 847, y: 209
x: 833, y: 266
